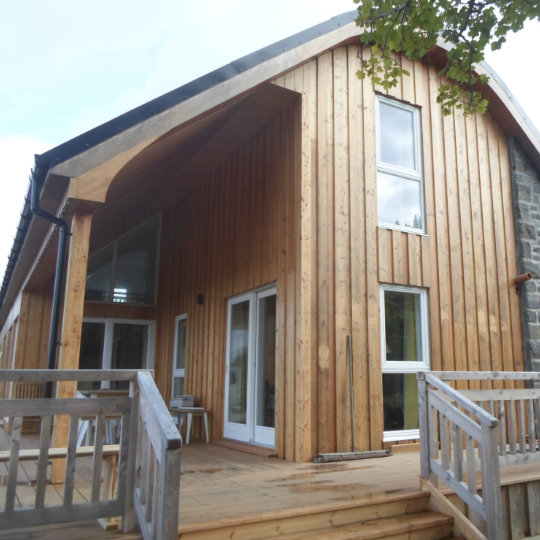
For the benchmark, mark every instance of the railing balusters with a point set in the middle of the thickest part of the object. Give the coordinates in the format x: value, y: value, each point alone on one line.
x: 148, y: 439
x: 532, y: 430
x: 13, y: 466
x: 445, y: 442
x: 502, y: 428
x: 511, y: 416
x: 458, y: 453
x: 471, y: 465
x: 44, y: 444
x: 99, y: 434
x: 521, y: 426
x: 69, y: 481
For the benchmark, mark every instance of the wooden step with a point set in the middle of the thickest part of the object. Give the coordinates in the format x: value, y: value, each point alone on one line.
x: 300, y: 520
x: 421, y: 526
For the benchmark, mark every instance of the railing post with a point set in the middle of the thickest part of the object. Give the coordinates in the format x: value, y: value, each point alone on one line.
x: 423, y: 420
x: 169, y: 494
x: 491, y: 483
x: 129, y: 519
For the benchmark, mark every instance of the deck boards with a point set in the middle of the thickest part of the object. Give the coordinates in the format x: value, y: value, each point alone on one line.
x: 224, y: 484
x: 234, y: 484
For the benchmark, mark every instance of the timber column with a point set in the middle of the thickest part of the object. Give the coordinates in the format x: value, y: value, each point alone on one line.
x: 72, y: 326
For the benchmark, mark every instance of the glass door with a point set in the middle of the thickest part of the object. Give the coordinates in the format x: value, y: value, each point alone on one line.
x: 250, y: 383
x: 265, y: 369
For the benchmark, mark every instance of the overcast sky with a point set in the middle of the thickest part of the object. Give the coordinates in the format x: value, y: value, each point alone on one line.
x: 68, y: 66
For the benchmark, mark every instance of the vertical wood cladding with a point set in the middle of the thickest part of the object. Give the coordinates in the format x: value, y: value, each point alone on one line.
x: 233, y: 233
x: 295, y: 204
x: 466, y: 260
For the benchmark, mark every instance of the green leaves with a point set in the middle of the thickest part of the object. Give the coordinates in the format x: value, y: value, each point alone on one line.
x: 412, y: 27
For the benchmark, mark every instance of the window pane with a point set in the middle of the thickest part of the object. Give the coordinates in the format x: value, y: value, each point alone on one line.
x: 135, y: 268
x: 402, y: 326
x: 399, y: 201
x: 178, y: 387
x: 266, y: 362
x: 91, y: 357
x: 98, y: 280
x: 397, y: 136
x: 130, y: 349
x: 181, y: 327
x: 400, y: 401
x: 238, y: 358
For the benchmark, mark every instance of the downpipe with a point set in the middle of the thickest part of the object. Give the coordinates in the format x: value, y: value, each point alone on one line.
x: 54, y: 342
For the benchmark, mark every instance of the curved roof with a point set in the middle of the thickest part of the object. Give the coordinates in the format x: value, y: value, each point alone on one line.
x: 139, y: 127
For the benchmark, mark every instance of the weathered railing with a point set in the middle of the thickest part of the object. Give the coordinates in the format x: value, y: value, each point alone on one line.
x: 468, y: 434
x: 451, y: 425
x: 113, y: 466
x: 156, y: 497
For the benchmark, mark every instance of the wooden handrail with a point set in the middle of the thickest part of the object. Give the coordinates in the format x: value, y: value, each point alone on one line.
x: 157, y: 487
x: 484, y: 418
x: 54, y: 375
x: 447, y: 419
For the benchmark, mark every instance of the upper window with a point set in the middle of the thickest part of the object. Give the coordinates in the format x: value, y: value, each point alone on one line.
x: 125, y: 271
x: 399, y: 166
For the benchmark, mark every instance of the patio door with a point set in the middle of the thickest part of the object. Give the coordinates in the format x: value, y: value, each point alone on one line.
x: 251, y: 368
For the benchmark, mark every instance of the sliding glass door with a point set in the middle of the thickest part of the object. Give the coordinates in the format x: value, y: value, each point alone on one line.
x: 250, y: 384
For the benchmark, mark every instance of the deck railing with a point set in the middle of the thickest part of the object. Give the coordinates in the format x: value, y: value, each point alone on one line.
x: 156, y: 494
x: 466, y: 435
x: 137, y: 471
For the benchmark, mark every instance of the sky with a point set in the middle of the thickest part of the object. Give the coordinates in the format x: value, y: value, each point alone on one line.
x: 67, y: 66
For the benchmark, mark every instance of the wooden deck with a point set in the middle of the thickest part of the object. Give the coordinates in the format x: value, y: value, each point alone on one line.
x: 224, y: 485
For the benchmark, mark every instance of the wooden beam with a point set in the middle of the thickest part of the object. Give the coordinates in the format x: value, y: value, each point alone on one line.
x: 72, y: 325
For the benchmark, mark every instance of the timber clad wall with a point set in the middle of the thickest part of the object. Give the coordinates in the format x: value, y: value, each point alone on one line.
x: 234, y: 233
x: 466, y: 260
x: 291, y: 199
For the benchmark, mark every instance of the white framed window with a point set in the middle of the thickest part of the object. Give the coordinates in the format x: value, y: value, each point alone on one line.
x: 400, y: 197
x: 108, y: 343
x: 405, y: 351
x: 180, y: 351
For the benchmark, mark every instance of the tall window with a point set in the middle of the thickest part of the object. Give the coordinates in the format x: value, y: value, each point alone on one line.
x: 399, y: 166
x: 125, y: 271
x: 180, y: 349
x: 405, y: 351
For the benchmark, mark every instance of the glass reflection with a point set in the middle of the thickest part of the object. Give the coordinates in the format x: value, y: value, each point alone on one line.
x: 238, y: 358
x: 397, y: 136
x: 399, y: 201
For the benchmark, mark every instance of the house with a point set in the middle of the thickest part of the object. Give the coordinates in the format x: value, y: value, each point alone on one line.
x: 288, y: 244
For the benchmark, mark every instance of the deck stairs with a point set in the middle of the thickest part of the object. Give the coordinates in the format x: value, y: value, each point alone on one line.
x: 398, y: 516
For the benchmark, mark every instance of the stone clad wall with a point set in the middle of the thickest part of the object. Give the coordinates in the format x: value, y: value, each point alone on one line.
x: 526, y: 193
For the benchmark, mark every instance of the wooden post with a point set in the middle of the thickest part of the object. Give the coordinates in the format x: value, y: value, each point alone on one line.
x: 491, y: 483
x: 71, y: 326
x: 423, y: 419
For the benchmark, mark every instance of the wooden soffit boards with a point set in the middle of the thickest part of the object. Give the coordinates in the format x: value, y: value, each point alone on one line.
x: 164, y: 172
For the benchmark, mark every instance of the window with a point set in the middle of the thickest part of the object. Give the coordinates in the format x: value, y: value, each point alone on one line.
x: 405, y: 351
x: 399, y: 166
x: 179, y: 361
x: 125, y: 271
x: 116, y: 344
